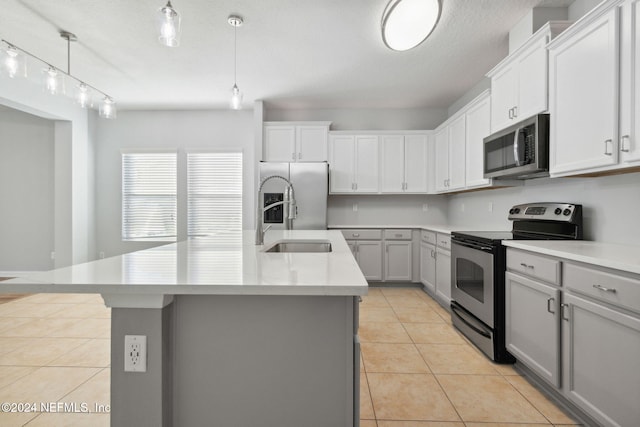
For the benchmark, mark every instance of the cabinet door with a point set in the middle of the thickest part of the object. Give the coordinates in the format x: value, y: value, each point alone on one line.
x: 457, y: 147
x: 366, y: 168
x: 532, y: 318
x: 441, y: 139
x: 415, y: 163
x: 370, y: 259
x: 311, y: 143
x: 532, y: 81
x: 630, y: 83
x: 392, y: 163
x: 428, y: 267
x: 443, y: 275
x: 342, y: 163
x: 601, y: 353
x: 583, y: 98
x: 397, y: 258
x: 477, y: 128
x: 279, y: 143
x: 503, y: 97
x: 353, y: 247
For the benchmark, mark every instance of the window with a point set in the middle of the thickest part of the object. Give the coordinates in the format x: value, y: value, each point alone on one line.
x: 149, y: 196
x: 214, y: 193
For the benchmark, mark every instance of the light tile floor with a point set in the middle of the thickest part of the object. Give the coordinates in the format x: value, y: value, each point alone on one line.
x: 416, y: 370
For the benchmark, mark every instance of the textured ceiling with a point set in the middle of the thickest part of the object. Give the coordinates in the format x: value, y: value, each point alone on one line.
x: 291, y: 53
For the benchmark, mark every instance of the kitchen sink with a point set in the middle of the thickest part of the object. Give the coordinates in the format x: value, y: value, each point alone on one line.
x: 300, y: 246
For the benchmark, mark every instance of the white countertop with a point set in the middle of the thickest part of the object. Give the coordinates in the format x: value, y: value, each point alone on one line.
x: 446, y: 229
x: 209, y: 266
x: 610, y: 255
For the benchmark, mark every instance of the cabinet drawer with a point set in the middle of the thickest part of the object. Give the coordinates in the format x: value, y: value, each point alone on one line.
x: 444, y: 241
x: 537, y: 266
x: 362, y: 234
x: 603, y: 285
x: 428, y: 236
x: 397, y: 234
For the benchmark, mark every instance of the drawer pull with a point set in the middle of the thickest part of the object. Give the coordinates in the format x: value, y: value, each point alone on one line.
x: 549, y: 306
x: 602, y: 288
x: 398, y: 235
x: 526, y: 265
x: 444, y: 242
x: 355, y: 234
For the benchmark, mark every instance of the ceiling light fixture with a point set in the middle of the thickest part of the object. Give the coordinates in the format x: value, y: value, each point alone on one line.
x: 168, y: 26
x: 407, y: 23
x: 16, y: 60
x: 236, y: 96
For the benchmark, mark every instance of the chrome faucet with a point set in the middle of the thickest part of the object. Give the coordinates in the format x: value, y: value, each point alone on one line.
x: 288, y: 199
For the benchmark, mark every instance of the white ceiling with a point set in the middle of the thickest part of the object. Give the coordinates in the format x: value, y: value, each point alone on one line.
x: 291, y: 53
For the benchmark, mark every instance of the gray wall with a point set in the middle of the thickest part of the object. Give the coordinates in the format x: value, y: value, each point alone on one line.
x: 26, y: 191
x: 365, y: 119
x: 179, y: 130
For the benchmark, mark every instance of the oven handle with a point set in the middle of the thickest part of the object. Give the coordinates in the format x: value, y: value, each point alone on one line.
x: 472, y: 245
x: 462, y: 317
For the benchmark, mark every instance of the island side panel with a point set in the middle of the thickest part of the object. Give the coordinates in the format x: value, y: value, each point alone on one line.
x: 264, y: 360
x: 142, y: 398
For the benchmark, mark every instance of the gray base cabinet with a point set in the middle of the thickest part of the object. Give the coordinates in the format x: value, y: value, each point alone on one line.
x: 601, y: 359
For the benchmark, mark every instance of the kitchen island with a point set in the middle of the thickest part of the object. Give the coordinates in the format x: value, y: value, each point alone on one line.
x: 235, y: 335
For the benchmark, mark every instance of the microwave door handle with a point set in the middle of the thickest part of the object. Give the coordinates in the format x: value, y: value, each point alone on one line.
x: 516, y: 152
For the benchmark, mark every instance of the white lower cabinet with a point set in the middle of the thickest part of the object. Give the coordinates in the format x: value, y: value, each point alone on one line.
x: 428, y: 266
x: 532, y: 319
x: 366, y: 246
x: 443, y: 275
x: 582, y: 337
x: 397, y: 255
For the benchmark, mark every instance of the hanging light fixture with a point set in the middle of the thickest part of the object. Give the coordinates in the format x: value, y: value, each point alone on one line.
x: 236, y: 96
x: 168, y: 21
x: 407, y: 23
x: 14, y: 63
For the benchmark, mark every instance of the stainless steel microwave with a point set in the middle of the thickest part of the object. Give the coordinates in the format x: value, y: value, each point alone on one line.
x: 520, y: 151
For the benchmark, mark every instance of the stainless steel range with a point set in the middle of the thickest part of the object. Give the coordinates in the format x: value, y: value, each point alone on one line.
x: 478, y: 261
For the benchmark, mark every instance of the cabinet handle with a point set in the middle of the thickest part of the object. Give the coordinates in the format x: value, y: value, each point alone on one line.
x: 563, y: 311
x: 526, y: 265
x: 355, y: 234
x: 602, y: 288
x: 398, y: 235
x: 293, y: 156
x: 510, y: 113
x: 622, y: 145
x: 299, y: 156
x: 606, y: 147
x: 355, y: 186
x: 549, y: 301
x: 432, y: 254
x: 515, y: 111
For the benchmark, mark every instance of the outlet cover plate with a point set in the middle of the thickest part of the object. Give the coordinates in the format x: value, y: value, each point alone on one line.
x: 135, y: 353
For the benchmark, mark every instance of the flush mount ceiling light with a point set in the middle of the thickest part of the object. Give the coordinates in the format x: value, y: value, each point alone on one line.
x: 168, y: 21
x: 236, y: 96
x: 15, y: 62
x: 407, y: 23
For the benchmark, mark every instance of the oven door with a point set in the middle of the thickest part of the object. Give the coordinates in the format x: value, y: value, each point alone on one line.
x: 472, y: 280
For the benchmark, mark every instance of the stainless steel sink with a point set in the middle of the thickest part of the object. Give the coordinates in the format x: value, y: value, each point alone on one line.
x: 300, y: 246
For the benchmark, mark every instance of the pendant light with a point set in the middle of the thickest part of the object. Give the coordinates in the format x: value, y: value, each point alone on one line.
x: 107, y: 109
x: 236, y: 96
x: 407, y: 23
x: 168, y: 21
x: 12, y: 62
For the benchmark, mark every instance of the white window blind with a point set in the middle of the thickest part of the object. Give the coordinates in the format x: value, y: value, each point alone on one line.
x: 214, y: 193
x: 149, y: 196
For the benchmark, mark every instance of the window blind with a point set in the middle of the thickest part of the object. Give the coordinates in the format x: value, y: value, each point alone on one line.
x: 214, y: 194
x: 149, y: 196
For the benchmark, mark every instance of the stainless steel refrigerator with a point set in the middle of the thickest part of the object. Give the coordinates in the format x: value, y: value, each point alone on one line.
x: 310, y: 186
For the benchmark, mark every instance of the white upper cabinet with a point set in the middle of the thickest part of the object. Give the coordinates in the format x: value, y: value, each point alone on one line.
x: 477, y: 128
x: 441, y: 142
x: 584, y: 93
x: 630, y: 84
x: 295, y: 142
x: 403, y: 163
x: 457, y: 147
x: 353, y: 164
x: 519, y: 82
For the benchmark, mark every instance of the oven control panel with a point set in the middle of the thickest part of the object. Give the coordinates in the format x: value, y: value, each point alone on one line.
x: 562, y: 212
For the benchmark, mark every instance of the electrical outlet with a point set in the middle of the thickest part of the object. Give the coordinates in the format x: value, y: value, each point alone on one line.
x: 462, y: 207
x: 425, y: 207
x: 53, y: 255
x: 135, y: 353
x: 355, y: 207
x: 101, y: 255
x: 490, y: 206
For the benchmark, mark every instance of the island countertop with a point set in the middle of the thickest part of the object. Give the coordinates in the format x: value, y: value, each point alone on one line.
x: 217, y: 265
